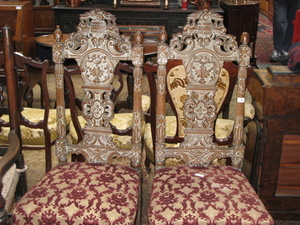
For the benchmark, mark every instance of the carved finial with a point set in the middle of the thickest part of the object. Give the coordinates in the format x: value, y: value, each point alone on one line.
x: 138, y: 37
x: 57, y: 35
x: 245, y: 38
x: 163, y: 36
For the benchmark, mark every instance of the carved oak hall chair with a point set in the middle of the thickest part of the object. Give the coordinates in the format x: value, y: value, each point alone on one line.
x: 198, y: 192
x: 95, y: 191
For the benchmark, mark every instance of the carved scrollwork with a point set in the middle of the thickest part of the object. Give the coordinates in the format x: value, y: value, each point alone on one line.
x: 204, y: 29
x: 98, y: 23
x: 97, y: 109
x: 200, y: 110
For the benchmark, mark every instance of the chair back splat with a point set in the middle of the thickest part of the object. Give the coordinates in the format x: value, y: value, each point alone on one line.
x: 104, y: 189
x: 199, y: 192
x: 203, y: 47
x: 98, y: 57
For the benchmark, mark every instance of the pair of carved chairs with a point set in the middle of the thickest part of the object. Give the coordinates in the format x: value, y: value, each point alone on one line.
x: 100, y: 191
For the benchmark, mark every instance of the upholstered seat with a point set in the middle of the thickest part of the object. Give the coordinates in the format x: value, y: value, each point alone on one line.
x: 73, y: 193
x: 30, y: 136
x: 205, y: 195
x: 105, y: 188
x: 199, y: 192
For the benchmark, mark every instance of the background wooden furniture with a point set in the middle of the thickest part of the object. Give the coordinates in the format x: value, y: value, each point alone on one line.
x: 18, y: 15
x: 276, y: 176
x: 241, y: 17
x: 44, y: 21
x: 173, y: 19
x: 266, y: 7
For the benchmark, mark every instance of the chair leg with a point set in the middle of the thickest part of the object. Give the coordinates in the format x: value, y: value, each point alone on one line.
x: 22, y: 183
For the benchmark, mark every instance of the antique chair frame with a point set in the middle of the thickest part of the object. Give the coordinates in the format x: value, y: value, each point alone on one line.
x: 97, y: 48
x: 198, y: 192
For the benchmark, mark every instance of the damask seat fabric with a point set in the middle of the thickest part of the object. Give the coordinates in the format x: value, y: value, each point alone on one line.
x: 205, y: 195
x: 103, y: 194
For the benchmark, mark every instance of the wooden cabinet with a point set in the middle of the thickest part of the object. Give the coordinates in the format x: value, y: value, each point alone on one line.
x: 276, y: 97
x: 44, y: 19
x: 18, y: 15
x: 241, y: 17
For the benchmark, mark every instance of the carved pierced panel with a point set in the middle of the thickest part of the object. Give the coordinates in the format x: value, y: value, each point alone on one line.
x: 203, y: 46
x: 98, y: 47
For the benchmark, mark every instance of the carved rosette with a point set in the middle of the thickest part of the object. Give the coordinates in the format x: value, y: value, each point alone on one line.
x: 202, y: 69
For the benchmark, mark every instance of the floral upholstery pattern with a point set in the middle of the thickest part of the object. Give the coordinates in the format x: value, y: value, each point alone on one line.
x: 103, y: 194
x: 34, y: 136
x: 205, y: 195
x: 176, y: 84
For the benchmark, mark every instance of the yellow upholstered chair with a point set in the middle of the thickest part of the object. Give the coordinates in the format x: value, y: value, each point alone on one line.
x: 11, y: 160
x: 38, y: 125
x: 199, y: 192
x: 99, y: 190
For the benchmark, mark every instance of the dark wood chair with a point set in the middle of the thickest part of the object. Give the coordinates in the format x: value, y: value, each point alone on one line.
x: 99, y: 190
x: 198, y: 192
x: 12, y: 179
x: 38, y: 125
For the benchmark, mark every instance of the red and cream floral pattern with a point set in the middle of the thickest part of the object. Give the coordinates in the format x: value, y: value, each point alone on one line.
x: 205, y: 195
x: 80, y: 193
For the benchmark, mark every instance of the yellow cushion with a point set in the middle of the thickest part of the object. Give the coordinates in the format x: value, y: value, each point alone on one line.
x: 121, y: 121
x: 145, y: 103
x: 32, y: 136
x: 223, y: 129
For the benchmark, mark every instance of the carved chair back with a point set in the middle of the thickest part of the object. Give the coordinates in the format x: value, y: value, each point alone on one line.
x: 203, y: 48
x: 201, y: 192
x: 97, y: 48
